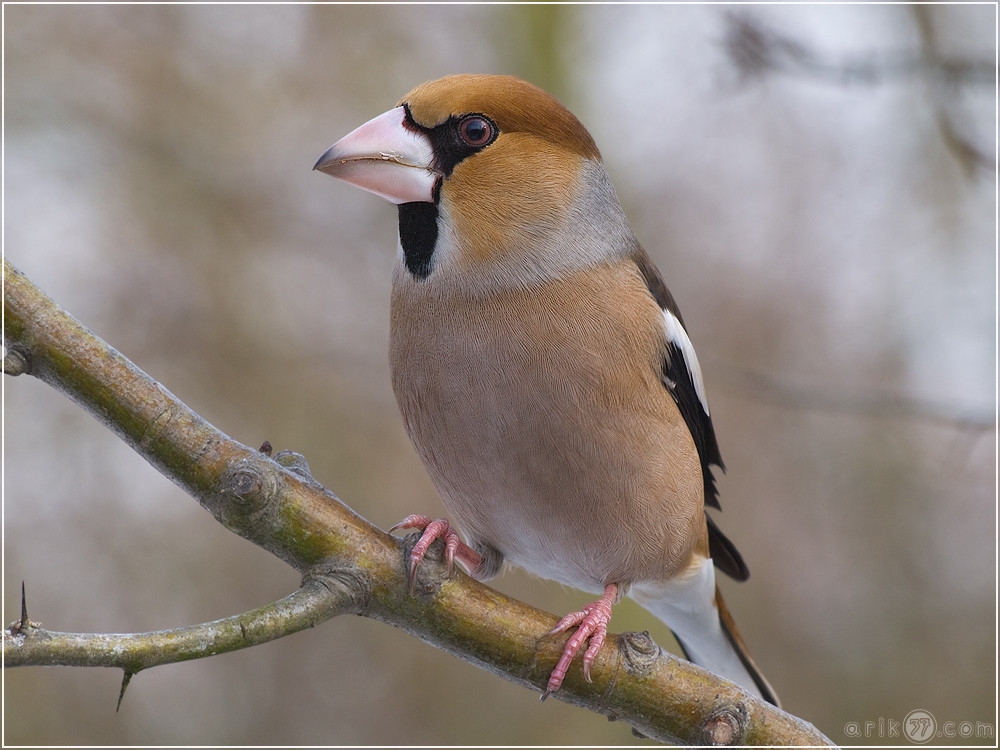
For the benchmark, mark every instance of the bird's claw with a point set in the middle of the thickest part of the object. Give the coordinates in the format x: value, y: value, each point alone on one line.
x: 592, y: 625
x: 430, y: 532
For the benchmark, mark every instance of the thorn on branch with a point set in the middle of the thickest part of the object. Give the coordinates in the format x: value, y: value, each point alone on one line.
x: 22, y: 626
x: 25, y: 622
x: 126, y: 679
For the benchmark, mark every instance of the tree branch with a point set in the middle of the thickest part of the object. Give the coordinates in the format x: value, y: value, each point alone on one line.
x: 133, y: 652
x: 348, y: 565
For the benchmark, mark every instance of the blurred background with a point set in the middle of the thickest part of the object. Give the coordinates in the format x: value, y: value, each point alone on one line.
x: 816, y: 184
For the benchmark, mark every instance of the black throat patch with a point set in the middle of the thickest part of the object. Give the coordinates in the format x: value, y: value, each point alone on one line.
x: 418, y: 233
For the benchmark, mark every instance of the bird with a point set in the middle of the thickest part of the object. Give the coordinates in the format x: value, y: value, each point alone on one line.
x: 543, y: 370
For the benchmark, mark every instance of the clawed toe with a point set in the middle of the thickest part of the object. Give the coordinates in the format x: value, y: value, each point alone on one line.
x: 592, y: 625
x: 454, y: 547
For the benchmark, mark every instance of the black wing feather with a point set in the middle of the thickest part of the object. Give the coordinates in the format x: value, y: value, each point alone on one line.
x: 678, y: 380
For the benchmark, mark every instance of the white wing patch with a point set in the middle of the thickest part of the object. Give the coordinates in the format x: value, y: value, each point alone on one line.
x: 677, y: 336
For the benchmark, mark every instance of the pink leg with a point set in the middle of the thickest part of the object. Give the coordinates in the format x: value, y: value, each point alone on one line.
x: 593, y: 625
x: 454, y: 547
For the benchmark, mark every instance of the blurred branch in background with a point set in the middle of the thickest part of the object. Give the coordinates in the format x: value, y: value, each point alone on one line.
x: 347, y: 565
x: 757, y: 50
x: 870, y: 403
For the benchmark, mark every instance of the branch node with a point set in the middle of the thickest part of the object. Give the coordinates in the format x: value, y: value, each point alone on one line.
x: 16, y: 361
x: 726, y: 725
x: 344, y: 583
x: 294, y: 462
x: 246, y: 492
x: 639, y: 652
x: 243, y: 481
x: 248, y: 484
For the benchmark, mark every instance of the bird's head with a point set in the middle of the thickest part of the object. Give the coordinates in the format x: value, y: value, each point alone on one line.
x: 496, y: 182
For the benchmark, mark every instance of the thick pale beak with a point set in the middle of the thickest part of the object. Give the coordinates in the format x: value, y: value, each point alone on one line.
x: 384, y: 157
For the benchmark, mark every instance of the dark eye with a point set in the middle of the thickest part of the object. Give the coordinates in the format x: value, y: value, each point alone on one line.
x: 476, y: 131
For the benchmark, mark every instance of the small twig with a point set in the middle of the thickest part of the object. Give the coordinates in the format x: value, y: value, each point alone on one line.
x: 133, y: 652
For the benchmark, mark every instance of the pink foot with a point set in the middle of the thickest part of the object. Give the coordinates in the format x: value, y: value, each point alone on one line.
x: 593, y: 625
x: 454, y: 547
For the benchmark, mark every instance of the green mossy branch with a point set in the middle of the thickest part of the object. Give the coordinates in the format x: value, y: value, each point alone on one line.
x: 133, y: 652
x: 347, y: 564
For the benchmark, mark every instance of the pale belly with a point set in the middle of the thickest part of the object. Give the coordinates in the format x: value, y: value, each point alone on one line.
x: 572, y: 461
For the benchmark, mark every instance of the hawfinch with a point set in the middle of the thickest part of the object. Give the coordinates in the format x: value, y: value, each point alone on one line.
x: 542, y: 367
